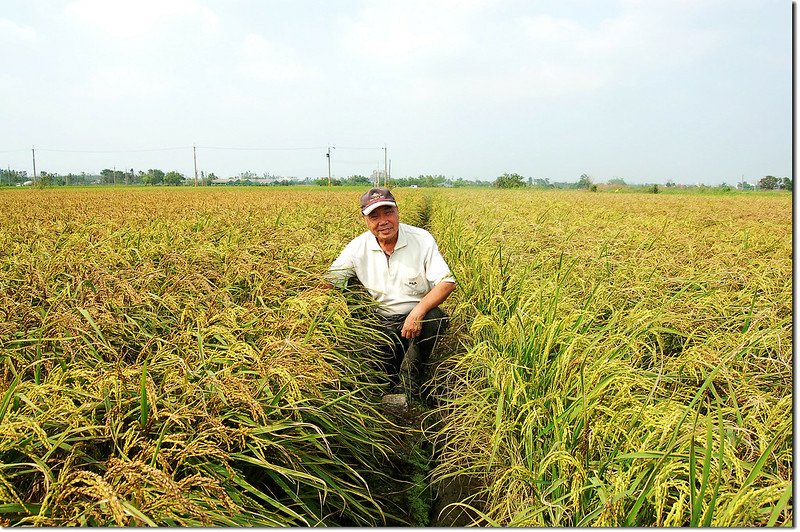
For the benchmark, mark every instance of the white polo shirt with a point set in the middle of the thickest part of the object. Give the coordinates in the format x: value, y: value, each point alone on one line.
x: 398, y: 281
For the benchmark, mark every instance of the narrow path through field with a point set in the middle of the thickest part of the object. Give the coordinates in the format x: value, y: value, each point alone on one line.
x: 438, y: 495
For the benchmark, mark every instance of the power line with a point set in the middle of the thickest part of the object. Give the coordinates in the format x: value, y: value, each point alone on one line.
x: 363, y: 162
x: 173, y: 148
x: 262, y: 148
x: 359, y: 148
x: 114, y: 151
x: 176, y: 148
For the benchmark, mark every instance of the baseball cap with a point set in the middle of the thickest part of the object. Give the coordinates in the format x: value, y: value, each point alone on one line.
x: 374, y: 198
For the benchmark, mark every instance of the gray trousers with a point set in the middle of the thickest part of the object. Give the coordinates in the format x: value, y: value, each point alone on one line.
x: 434, y: 326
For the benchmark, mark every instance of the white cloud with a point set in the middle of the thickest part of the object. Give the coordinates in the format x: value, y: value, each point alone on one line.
x: 123, y: 83
x: 13, y: 89
x: 12, y: 32
x: 406, y: 33
x: 645, y: 36
x: 126, y: 20
x: 448, y: 50
x: 263, y: 60
x: 636, y: 42
x: 522, y: 83
x: 548, y: 29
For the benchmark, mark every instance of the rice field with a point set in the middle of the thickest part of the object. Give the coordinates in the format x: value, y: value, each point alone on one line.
x: 170, y: 358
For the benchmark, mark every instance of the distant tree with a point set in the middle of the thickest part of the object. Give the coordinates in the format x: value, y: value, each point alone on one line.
x: 153, y: 177
x: 323, y: 182
x: 585, y: 181
x: 12, y: 177
x: 670, y: 183
x: 786, y: 183
x: 108, y: 175
x: 45, y: 179
x: 617, y: 181
x: 112, y: 177
x: 768, y: 182
x: 509, y: 181
x: 429, y: 180
x: 174, y: 178
x: 538, y: 182
x: 357, y: 180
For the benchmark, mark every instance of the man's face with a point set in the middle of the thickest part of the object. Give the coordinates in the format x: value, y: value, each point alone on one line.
x: 384, y: 223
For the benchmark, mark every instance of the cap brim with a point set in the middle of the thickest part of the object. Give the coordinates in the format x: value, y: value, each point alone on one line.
x: 374, y: 206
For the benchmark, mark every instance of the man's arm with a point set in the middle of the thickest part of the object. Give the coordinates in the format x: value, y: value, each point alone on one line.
x: 413, y: 324
x: 340, y: 270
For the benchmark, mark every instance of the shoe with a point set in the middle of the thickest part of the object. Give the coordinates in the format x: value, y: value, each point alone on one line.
x: 395, y: 402
x: 395, y: 399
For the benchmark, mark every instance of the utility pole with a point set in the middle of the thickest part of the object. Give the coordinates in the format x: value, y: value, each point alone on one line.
x: 385, y: 168
x: 329, y: 163
x: 194, y: 151
x: 33, y: 151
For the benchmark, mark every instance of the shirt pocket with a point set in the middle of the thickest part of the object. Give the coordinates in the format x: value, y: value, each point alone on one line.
x: 413, y: 285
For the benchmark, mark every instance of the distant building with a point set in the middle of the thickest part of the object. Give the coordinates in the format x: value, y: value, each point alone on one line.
x: 378, y: 176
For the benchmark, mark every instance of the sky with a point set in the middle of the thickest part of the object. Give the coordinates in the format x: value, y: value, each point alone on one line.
x: 693, y: 91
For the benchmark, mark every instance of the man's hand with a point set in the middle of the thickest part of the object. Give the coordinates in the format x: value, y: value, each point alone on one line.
x: 412, y: 327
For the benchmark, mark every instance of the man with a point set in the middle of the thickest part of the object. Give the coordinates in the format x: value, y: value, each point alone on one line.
x: 402, y: 269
